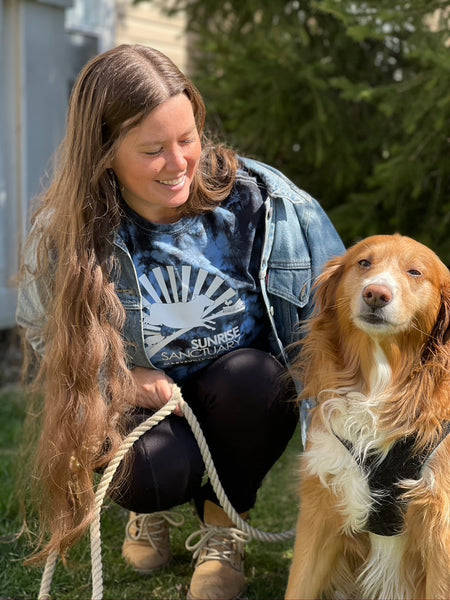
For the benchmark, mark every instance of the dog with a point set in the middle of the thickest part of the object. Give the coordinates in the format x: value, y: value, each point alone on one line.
x: 374, y: 520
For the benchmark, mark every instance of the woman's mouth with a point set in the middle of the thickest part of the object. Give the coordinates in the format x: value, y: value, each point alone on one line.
x: 172, y: 182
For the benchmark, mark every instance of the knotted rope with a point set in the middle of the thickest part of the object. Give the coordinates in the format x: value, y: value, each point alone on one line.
x: 95, y: 536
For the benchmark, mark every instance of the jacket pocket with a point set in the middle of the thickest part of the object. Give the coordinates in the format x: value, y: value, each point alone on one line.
x: 290, y: 283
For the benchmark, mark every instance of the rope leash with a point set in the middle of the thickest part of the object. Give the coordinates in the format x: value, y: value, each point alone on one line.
x: 95, y: 535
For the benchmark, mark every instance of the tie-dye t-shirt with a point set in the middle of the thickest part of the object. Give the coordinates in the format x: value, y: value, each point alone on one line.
x: 199, y: 282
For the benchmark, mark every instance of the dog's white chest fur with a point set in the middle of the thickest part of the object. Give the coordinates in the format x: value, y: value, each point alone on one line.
x: 351, y: 416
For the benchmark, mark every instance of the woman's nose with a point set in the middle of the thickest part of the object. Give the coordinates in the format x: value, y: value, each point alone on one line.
x: 176, y: 160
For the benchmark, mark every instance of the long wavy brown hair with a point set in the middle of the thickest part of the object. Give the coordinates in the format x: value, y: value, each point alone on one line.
x: 83, y: 375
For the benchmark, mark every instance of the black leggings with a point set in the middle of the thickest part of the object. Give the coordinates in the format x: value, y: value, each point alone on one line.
x: 244, y: 404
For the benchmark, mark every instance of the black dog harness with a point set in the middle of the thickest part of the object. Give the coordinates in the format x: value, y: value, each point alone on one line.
x: 388, y: 510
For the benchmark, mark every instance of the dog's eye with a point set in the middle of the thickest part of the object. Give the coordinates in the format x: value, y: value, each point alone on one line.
x: 364, y: 264
x: 414, y: 272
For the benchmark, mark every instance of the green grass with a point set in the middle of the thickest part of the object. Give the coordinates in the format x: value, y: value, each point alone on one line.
x: 267, y: 564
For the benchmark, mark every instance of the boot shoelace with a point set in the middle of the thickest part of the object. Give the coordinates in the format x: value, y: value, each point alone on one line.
x: 217, y: 543
x: 152, y: 526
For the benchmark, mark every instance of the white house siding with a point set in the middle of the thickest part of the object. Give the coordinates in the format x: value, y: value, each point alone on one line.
x: 145, y: 24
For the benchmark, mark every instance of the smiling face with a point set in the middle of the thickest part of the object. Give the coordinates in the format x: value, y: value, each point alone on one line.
x: 392, y: 285
x: 156, y: 161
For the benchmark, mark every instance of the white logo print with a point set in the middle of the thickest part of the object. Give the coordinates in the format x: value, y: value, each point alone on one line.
x: 199, y: 306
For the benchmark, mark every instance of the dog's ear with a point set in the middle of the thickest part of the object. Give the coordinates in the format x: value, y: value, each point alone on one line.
x: 440, y: 335
x: 325, y: 286
x: 441, y: 331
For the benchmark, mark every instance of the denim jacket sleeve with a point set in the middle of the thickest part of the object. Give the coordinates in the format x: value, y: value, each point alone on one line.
x: 32, y: 301
x: 299, y: 240
x: 34, y: 294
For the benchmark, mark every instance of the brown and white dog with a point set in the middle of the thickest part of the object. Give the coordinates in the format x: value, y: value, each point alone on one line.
x: 374, y: 518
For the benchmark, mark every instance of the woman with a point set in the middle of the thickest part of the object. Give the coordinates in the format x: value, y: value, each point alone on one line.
x: 156, y: 257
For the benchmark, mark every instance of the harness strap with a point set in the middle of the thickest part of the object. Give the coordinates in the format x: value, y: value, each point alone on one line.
x: 388, y: 509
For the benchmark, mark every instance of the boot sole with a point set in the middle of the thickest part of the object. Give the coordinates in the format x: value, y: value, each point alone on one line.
x: 189, y: 596
x: 146, y: 571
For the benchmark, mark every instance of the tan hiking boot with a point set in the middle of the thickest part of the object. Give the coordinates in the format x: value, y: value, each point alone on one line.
x: 147, y: 540
x: 219, y: 571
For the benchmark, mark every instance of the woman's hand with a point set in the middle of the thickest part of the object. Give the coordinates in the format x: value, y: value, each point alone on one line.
x: 153, y: 389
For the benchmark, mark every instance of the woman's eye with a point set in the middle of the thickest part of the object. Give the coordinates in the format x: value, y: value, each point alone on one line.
x: 155, y: 153
x: 364, y: 264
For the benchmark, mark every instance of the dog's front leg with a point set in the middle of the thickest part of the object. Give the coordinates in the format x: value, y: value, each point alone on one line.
x: 317, y: 544
x: 437, y: 567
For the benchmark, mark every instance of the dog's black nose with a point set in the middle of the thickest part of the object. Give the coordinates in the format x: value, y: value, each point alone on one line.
x: 377, y: 296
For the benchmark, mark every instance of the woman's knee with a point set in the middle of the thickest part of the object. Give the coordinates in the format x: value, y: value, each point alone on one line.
x: 165, y: 468
x: 246, y: 374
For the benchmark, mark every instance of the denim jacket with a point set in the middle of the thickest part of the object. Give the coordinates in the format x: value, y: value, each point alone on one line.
x: 299, y: 238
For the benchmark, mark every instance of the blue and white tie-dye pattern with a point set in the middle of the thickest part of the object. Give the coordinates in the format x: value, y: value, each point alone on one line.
x: 198, y: 278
